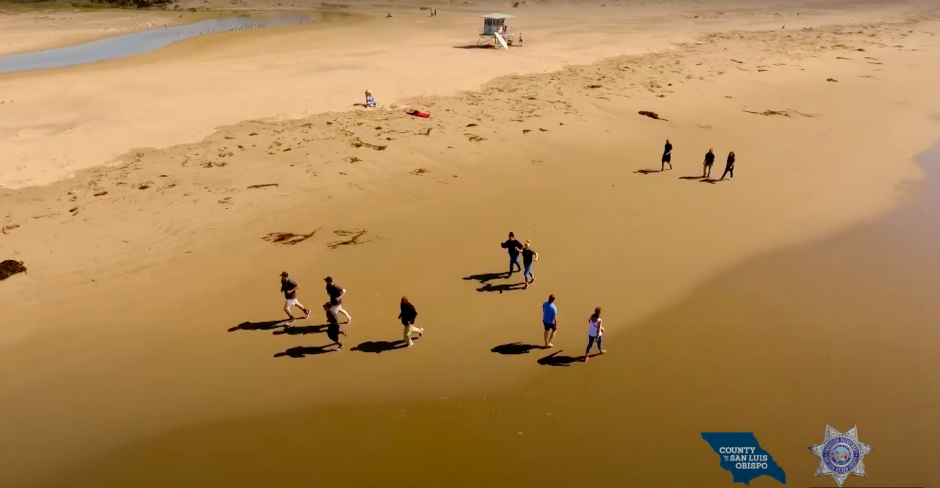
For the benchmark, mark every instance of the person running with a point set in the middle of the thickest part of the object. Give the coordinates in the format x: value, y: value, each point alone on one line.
x: 729, y: 166
x: 332, y: 327
x: 595, y: 333
x: 289, y: 287
x: 408, y: 315
x: 529, y: 256
x: 667, y: 156
x: 707, y: 167
x: 336, y: 293
x: 550, y: 320
x: 514, y: 247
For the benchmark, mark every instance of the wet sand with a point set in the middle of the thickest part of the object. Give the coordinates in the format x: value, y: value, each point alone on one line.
x: 841, y: 332
x: 149, y: 312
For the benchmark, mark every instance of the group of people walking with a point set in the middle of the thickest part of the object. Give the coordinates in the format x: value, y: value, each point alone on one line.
x: 706, y: 164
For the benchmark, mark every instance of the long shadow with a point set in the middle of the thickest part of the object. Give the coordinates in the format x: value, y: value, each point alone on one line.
x: 303, y: 351
x: 268, y: 325
x: 302, y: 330
x: 647, y: 171
x: 501, y: 288
x: 691, y: 177
x: 377, y: 347
x: 475, y: 46
x: 554, y: 359
x: 514, y: 348
x: 484, y: 277
x: 709, y: 180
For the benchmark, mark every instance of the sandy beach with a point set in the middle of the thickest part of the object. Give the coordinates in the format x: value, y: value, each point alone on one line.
x: 155, y: 199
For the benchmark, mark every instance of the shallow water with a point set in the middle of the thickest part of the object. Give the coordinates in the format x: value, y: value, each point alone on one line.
x: 141, y: 42
x: 841, y: 332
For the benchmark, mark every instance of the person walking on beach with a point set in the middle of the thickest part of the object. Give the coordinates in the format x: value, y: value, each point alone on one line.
x: 408, y: 315
x: 332, y: 327
x: 707, y: 167
x: 514, y: 247
x: 529, y: 256
x: 336, y: 293
x: 550, y: 320
x: 667, y: 156
x: 595, y: 333
x: 729, y: 166
x: 289, y: 287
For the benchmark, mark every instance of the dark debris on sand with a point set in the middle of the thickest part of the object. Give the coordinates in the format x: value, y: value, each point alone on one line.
x: 652, y: 115
x: 10, y: 267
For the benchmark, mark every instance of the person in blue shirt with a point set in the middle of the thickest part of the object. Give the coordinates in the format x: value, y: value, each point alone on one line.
x: 550, y: 320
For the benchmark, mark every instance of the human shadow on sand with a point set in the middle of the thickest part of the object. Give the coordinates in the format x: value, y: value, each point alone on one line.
x: 647, y: 171
x: 301, y: 330
x: 304, y: 351
x: 485, y: 277
x: 554, y: 359
x: 501, y: 288
x: 514, y: 348
x: 267, y: 325
x: 691, y: 177
x: 377, y: 347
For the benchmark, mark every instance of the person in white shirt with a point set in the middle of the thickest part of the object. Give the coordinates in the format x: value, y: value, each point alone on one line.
x: 595, y: 334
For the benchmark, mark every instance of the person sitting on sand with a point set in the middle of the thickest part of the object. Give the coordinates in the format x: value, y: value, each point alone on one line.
x: 370, y: 102
x: 707, y: 166
x: 729, y: 166
x: 529, y: 256
x: 332, y: 327
x: 408, y: 316
x: 289, y: 287
x: 550, y: 320
x: 595, y: 334
x: 667, y: 156
x: 514, y: 247
x: 388, y: 16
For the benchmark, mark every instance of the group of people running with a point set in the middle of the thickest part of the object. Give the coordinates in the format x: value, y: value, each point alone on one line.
x: 334, y: 307
x: 408, y: 313
x: 706, y: 164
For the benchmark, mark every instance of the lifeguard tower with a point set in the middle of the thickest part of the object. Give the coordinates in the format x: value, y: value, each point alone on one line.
x: 495, y: 32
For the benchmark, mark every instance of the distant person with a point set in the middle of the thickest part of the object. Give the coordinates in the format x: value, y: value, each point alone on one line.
x: 707, y: 166
x: 370, y: 101
x: 388, y: 15
x: 435, y: 12
x: 550, y: 320
x: 514, y: 247
x: 595, y: 334
x: 408, y: 315
x: 336, y: 293
x: 520, y: 39
x: 332, y: 327
x: 289, y: 287
x: 729, y: 166
x: 667, y: 156
x: 529, y: 256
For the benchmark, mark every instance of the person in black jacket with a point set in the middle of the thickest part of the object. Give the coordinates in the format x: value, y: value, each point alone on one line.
x: 667, y: 156
x: 707, y: 165
x: 514, y: 247
x: 729, y: 166
x: 408, y: 315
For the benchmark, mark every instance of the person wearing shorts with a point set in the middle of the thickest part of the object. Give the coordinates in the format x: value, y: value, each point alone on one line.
x: 707, y: 165
x: 289, y: 287
x: 336, y: 293
x: 408, y: 316
x: 550, y: 320
x: 667, y: 156
x: 529, y: 256
x: 332, y: 327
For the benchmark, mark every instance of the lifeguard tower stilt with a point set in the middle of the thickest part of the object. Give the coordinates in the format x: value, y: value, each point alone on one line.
x: 495, y: 32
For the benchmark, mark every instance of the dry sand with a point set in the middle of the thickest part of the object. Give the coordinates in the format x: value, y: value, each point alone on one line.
x: 127, y: 326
